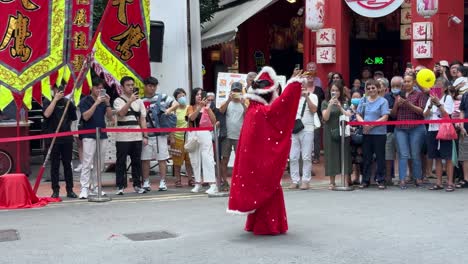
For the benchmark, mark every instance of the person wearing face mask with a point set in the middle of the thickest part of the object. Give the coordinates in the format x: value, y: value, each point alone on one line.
x: 177, y: 139
x: 390, y: 147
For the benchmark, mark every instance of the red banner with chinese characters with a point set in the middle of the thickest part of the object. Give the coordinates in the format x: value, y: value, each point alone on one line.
x: 32, y: 45
x: 80, y: 36
x: 121, y: 42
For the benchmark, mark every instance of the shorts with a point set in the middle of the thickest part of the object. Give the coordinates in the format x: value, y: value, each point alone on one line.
x: 178, y: 153
x: 463, y: 149
x: 156, y: 151
x: 390, y: 147
x: 226, y: 147
x: 438, y: 149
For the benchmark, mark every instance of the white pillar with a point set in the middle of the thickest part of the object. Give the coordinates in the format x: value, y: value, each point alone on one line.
x: 195, y: 38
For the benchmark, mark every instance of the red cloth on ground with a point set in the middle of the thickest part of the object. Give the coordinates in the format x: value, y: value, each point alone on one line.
x: 261, y: 158
x: 16, y: 193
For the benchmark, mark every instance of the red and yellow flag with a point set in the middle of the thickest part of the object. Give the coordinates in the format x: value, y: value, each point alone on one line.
x: 32, y: 42
x: 121, y: 42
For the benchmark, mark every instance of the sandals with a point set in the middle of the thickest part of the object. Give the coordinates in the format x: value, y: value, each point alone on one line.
x: 450, y: 188
x: 461, y: 184
x: 191, y: 182
x: 331, y: 187
x: 436, y: 187
x: 403, y: 186
x: 178, y: 184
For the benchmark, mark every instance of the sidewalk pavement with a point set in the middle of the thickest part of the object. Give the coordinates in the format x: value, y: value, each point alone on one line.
x: 108, y: 182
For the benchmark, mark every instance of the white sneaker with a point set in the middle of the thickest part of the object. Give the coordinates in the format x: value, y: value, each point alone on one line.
x: 162, y: 185
x: 78, y: 169
x: 147, y: 185
x: 196, y: 188
x: 139, y: 190
x: 84, y: 193
x: 213, y: 189
x: 120, y: 191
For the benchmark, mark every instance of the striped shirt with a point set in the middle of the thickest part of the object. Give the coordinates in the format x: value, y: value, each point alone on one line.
x: 405, y: 112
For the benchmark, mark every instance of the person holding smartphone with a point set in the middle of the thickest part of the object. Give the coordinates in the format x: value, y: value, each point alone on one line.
x: 131, y: 113
x: 63, y: 147
x: 94, y: 108
x: 409, y: 106
x: 332, y: 109
x: 203, y: 156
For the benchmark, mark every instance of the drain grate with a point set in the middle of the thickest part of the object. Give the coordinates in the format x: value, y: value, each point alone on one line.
x: 8, y: 235
x: 150, y: 236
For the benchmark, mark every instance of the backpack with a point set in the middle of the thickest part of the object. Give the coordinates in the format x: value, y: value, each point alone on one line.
x: 158, y: 118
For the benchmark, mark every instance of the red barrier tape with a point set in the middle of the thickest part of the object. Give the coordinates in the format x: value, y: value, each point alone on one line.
x: 113, y: 130
x: 407, y: 122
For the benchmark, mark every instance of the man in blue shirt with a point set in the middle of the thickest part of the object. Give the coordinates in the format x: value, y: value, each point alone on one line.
x: 94, y: 108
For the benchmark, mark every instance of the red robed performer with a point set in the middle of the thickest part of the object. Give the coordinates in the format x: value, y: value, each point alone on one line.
x: 262, y: 153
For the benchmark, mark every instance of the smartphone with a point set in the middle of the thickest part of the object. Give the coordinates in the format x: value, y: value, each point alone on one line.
x: 102, y: 93
x: 409, y: 65
x: 333, y: 94
x: 61, y: 88
x: 403, y: 94
x: 298, y: 66
x: 136, y: 90
x: 203, y: 95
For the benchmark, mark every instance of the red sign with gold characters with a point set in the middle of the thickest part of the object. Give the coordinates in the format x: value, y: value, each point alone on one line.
x: 80, y: 36
x: 374, y: 8
x: 121, y: 46
x: 32, y: 40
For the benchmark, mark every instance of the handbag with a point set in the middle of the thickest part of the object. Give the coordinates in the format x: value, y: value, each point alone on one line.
x: 298, y: 125
x: 191, y: 144
x: 205, y: 120
x: 357, y: 138
x: 446, y: 131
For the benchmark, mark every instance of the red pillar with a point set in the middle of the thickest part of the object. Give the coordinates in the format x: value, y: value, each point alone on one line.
x: 448, y: 38
x: 337, y: 16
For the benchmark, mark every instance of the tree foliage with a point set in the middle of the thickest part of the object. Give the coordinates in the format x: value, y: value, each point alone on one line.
x: 207, y: 9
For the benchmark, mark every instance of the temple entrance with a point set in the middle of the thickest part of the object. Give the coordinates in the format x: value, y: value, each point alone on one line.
x: 375, y: 43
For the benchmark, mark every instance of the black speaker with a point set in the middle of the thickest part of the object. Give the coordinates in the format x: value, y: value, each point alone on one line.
x: 156, y: 41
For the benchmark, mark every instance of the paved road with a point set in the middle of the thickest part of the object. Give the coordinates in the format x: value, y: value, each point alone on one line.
x: 371, y: 226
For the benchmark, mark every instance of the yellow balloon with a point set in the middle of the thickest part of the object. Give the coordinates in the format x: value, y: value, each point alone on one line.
x: 426, y: 78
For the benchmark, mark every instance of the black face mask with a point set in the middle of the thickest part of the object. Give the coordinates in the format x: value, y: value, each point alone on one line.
x: 259, y: 84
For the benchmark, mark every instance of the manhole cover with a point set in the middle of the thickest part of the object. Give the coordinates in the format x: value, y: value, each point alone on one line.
x: 150, y: 236
x: 8, y: 235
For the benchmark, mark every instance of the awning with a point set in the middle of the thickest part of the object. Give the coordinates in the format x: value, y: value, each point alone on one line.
x: 223, y: 27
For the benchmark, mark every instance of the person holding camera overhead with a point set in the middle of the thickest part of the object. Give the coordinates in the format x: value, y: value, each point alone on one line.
x: 131, y: 113
x: 94, y: 108
x: 63, y: 147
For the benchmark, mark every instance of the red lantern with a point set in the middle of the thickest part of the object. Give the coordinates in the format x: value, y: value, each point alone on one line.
x: 427, y: 8
x: 315, y: 14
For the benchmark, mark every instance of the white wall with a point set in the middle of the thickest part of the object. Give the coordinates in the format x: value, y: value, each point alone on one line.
x: 172, y: 73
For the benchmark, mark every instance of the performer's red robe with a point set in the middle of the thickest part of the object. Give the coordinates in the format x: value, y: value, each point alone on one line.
x: 261, y: 158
